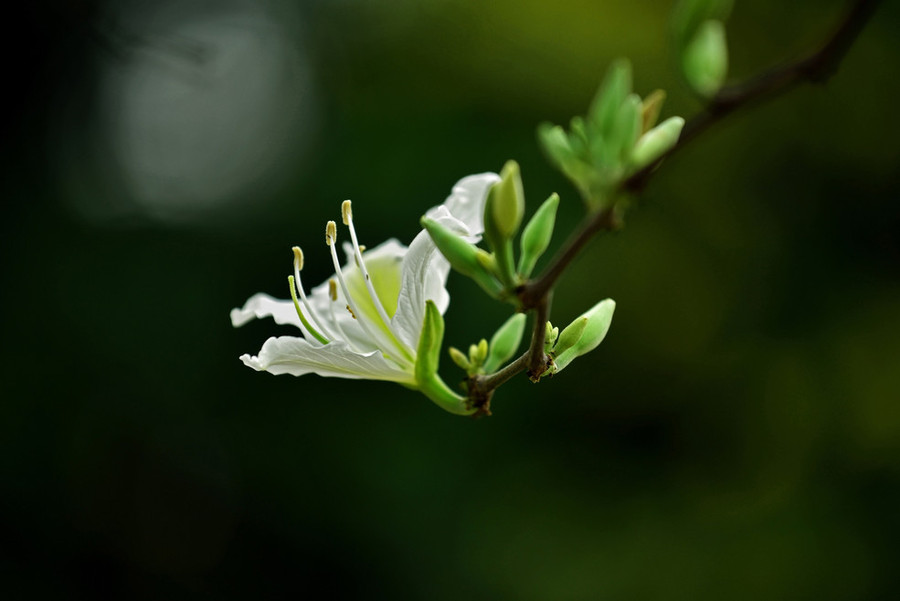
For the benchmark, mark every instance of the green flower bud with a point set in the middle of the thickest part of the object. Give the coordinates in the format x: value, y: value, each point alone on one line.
x: 650, y: 109
x: 505, y: 204
x: 597, y: 321
x: 428, y: 356
x: 550, y: 336
x: 463, y: 256
x: 503, y: 213
x: 689, y: 15
x: 460, y: 359
x: 656, y: 142
x: 704, y: 60
x: 505, y: 342
x: 615, y: 87
x: 537, y: 234
x: 481, y: 352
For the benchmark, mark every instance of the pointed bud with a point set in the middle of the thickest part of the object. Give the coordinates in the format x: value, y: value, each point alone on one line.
x: 481, y: 351
x: 689, y: 15
x: 463, y: 256
x: 505, y: 342
x: 550, y: 336
x: 615, y: 87
x: 537, y: 234
x: 650, y: 109
x: 505, y: 204
x: 704, y: 59
x: 427, y: 361
x: 460, y: 359
x: 598, y: 319
x: 656, y: 142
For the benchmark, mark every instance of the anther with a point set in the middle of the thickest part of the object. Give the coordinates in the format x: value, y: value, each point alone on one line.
x: 332, y: 289
x: 330, y: 233
x: 346, y: 212
x: 298, y: 258
x: 352, y: 314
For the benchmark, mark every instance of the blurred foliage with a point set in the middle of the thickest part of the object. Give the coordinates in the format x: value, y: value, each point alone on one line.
x: 736, y: 436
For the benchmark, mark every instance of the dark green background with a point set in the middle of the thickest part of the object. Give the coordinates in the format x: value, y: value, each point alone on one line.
x: 737, y: 436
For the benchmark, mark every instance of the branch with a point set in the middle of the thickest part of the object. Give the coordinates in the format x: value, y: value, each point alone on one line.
x: 815, y: 68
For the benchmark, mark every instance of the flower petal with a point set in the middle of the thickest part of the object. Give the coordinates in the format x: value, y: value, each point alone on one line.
x: 425, y: 270
x: 296, y: 356
x: 262, y: 305
x: 466, y: 201
x: 424, y: 274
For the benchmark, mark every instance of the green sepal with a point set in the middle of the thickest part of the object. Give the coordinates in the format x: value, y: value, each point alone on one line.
x: 656, y: 142
x: 537, y: 235
x: 505, y: 342
x: 615, y: 87
x: 428, y: 355
x: 463, y: 256
x: 597, y: 322
x: 570, y: 335
x: 704, y: 60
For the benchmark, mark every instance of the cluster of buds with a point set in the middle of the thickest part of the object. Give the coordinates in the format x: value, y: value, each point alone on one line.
x: 618, y: 137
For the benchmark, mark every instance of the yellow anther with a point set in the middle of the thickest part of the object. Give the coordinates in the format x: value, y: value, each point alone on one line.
x: 362, y: 248
x: 352, y: 314
x: 330, y: 233
x: 298, y: 258
x: 346, y: 212
x: 332, y: 289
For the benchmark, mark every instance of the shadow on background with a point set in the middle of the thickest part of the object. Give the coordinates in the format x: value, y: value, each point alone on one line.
x: 736, y: 436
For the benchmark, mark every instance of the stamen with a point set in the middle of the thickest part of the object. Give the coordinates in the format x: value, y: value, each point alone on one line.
x: 332, y: 289
x: 298, y: 266
x: 303, y: 319
x: 331, y: 238
x: 347, y: 213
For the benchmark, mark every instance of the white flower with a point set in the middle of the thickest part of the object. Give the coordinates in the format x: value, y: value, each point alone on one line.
x: 366, y: 321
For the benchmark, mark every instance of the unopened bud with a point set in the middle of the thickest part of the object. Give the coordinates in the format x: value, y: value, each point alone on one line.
x: 505, y: 342
x: 537, y: 234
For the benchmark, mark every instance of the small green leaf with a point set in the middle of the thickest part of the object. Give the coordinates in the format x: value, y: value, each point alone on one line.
x: 615, y: 87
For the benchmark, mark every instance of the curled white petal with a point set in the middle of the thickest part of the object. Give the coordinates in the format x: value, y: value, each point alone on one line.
x: 296, y: 356
x: 262, y: 305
